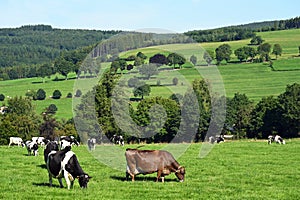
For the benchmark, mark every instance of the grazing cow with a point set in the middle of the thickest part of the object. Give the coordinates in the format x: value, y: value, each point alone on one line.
x: 118, y: 139
x: 32, y: 148
x: 64, y: 164
x: 67, y: 141
x: 91, y: 143
x: 16, y: 140
x: 51, y: 146
x: 150, y: 161
x: 276, y: 139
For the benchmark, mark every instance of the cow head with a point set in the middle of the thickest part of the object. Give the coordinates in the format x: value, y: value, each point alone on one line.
x: 83, y: 180
x: 180, y: 172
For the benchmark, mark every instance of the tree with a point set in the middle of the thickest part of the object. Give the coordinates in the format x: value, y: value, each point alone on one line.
x: 40, y: 94
x: 241, y: 54
x: 299, y: 50
x: 264, y: 51
x: 244, y: 53
x: 141, y: 55
x: 63, y: 66
x: 193, y: 59
x: 2, y: 97
x: 158, y: 59
x: 264, y: 118
x: 56, y: 94
x: 78, y: 93
x: 51, y: 109
x: 223, y: 52
x: 208, y: 56
x: 44, y: 71
x: 175, y: 81
x: 238, y: 113
x: 48, y: 126
x: 289, y: 102
x: 148, y: 70
x: 176, y: 59
x: 277, y: 50
x: 115, y: 65
x: 21, y: 117
x: 142, y: 90
x: 256, y: 40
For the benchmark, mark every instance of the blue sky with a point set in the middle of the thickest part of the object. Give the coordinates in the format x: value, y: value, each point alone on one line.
x: 173, y: 15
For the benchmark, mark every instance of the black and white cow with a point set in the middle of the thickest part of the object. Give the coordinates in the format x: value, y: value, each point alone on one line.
x: 16, y: 140
x: 64, y: 164
x: 67, y: 141
x: 91, y: 143
x: 39, y: 140
x: 118, y: 139
x: 32, y: 148
x: 51, y: 146
x: 276, y: 139
x: 217, y: 139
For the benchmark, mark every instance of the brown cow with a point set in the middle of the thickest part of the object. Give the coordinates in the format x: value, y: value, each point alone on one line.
x: 150, y: 161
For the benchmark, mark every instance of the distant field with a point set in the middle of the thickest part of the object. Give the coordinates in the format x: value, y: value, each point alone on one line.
x: 255, y: 80
x: 232, y: 170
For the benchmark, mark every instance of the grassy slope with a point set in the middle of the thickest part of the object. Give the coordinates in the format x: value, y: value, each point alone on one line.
x: 255, y: 80
x: 232, y: 170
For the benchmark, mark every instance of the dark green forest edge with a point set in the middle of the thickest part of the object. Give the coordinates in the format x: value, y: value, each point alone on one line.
x: 244, y: 118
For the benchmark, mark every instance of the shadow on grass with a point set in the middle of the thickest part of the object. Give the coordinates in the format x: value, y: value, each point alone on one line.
x: 45, y: 185
x: 43, y: 166
x: 142, y: 179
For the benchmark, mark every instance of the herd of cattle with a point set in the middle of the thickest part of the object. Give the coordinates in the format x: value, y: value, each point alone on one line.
x: 61, y: 162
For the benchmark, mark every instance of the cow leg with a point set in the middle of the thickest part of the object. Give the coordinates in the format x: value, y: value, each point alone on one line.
x: 60, y: 182
x: 159, y: 175
x: 67, y: 179
x: 50, y: 180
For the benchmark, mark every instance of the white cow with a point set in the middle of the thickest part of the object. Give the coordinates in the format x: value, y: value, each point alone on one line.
x: 16, y: 140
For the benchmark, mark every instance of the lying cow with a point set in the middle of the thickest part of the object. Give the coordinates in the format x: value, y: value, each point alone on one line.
x: 150, y: 161
x: 32, y: 148
x: 16, y: 140
x: 91, y: 143
x: 64, y: 164
x: 217, y: 139
x: 67, y: 141
x: 276, y: 139
x: 51, y: 146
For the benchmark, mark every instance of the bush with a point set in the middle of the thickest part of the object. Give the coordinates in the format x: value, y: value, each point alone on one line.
x: 69, y: 95
x: 78, y: 93
x: 52, y: 109
x: 40, y: 95
x: 2, y: 97
x: 56, y: 94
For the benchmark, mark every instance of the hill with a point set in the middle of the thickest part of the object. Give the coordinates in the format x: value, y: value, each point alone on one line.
x: 255, y: 80
x: 38, y: 44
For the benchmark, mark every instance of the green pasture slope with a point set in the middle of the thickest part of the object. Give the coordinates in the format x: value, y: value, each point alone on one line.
x: 256, y: 80
x: 232, y: 170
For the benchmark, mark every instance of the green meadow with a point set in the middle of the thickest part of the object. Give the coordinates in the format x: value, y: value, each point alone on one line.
x: 245, y: 169
x: 256, y: 80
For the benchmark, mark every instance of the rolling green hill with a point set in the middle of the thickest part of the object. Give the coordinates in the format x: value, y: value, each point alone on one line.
x: 256, y: 80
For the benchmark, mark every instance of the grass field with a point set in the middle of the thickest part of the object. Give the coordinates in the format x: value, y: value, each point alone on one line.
x: 232, y: 170
x: 254, y: 80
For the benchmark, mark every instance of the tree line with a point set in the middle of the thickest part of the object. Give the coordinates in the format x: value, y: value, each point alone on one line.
x: 244, y: 119
x: 240, y: 32
x: 39, y: 44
